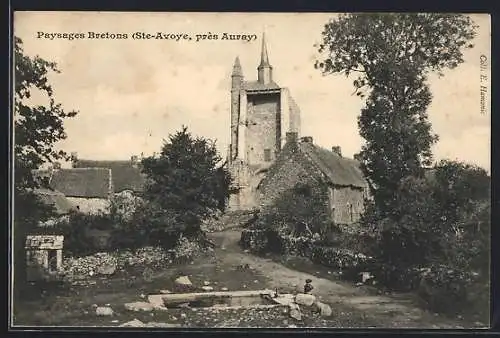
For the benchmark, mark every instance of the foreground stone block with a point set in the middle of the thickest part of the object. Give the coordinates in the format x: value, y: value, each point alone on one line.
x: 160, y: 324
x: 284, y: 299
x: 133, y: 323
x: 183, y: 284
x: 305, y: 299
x: 157, y: 302
x: 324, y: 309
x: 104, y: 311
x: 295, y: 311
x: 139, y: 306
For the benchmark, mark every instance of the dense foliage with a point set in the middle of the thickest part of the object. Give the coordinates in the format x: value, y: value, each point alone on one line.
x: 300, y: 209
x: 37, y: 128
x: 185, y: 184
x: 392, y: 55
x: 430, y: 227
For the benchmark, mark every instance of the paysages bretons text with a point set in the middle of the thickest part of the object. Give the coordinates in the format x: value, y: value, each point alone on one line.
x: 208, y: 36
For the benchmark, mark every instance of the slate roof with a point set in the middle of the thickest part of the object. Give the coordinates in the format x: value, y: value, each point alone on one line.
x: 339, y: 170
x: 125, y: 176
x: 55, y: 198
x: 82, y: 182
x: 257, y: 86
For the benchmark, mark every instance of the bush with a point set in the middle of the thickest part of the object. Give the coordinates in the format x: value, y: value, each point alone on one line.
x: 294, y: 246
x: 255, y: 240
x: 302, y: 209
x: 186, y: 249
x: 444, y: 288
x: 350, y: 263
x: 77, y: 231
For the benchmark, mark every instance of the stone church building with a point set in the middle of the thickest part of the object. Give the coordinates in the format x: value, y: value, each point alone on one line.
x: 261, y: 114
x: 267, y: 156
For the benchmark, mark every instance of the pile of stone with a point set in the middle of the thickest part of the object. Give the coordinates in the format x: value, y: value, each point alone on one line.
x: 295, y: 301
x: 83, y: 267
x: 104, y: 263
x: 146, y: 256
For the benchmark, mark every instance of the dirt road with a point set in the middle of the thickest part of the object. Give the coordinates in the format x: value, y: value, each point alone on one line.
x: 354, y: 306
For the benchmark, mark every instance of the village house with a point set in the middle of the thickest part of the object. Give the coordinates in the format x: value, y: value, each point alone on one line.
x: 334, y: 179
x: 88, y: 189
x: 90, y: 185
x: 126, y: 176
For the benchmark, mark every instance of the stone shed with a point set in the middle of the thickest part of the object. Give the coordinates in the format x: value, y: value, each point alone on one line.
x: 44, y: 257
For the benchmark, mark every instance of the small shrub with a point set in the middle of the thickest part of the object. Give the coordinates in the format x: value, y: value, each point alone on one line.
x: 186, y: 249
x: 396, y: 278
x: 444, y: 289
x: 77, y: 231
x: 255, y: 240
x: 350, y: 263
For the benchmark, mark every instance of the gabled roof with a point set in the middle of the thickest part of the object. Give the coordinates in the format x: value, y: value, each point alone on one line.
x: 82, y: 182
x: 55, y: 198
x: 125, y: 175
x: 339, y: 170
x: 258, y: 86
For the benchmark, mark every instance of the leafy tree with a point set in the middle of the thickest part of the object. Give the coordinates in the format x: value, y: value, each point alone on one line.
x: 443, y: 218
x: 392, y: 55
x: 185, y: 184
x: 37, y: 128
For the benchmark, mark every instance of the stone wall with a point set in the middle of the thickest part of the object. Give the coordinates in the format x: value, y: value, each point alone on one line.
x: 90, y: 205
x: 263, y: 130
x: 290, y: 172
x: 346, y: 204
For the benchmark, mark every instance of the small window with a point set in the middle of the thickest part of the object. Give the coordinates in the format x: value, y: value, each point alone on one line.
x: 267, y: 155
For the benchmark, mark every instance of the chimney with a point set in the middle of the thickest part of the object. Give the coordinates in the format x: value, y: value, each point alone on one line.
x: 337, y: 150
x: 307, y: 139
x: 292, y: 137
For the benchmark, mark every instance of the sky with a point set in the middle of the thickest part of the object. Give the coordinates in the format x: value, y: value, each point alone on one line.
x: 131, y: 94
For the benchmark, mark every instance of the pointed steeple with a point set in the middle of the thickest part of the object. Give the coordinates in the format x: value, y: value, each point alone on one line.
x: 264, y: 57
x: 265, y: 70
x: 237, y: 68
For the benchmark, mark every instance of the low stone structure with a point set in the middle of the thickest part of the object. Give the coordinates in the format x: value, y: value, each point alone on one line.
x: 44, y: 257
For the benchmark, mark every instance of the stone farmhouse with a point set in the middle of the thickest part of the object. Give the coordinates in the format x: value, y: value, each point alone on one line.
x: 267, y: 156
x: 89, y: 185
x: 335, y: 180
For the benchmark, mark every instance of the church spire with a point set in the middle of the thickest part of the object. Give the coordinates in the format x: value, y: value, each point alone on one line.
x: 264, y: 71
x: 264, y: 58
x: 237, y: 68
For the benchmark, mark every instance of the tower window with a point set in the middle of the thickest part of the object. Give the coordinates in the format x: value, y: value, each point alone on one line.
x: 267, y: 155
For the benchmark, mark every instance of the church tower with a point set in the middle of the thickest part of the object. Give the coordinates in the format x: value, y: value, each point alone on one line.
x: 264, y: 71
x: 236, y: 86
x: 262, y: 113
